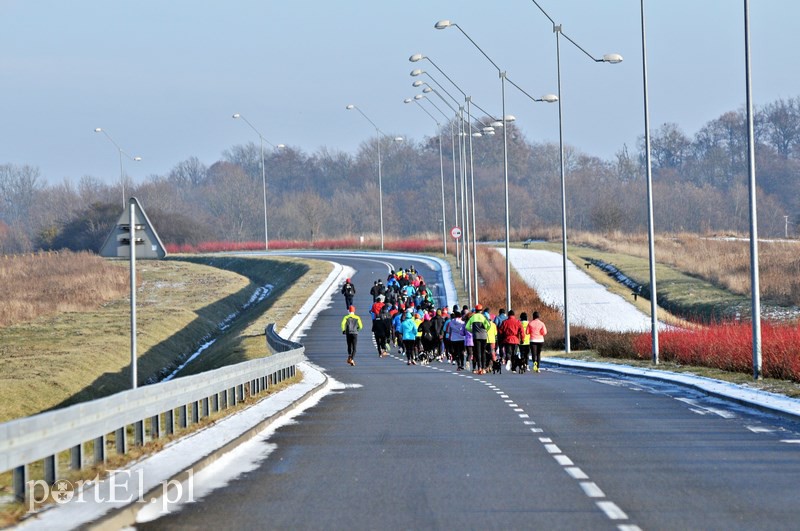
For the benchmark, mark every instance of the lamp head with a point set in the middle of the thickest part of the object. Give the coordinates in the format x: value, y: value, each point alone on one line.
x: 488, y: 129
x: 351, y: 106
x: 497, y: 123
x: 427, y: 90
x: 398, y: 139
x: 419, y: 97
x: 416, y: 57
x: 477, y: 134
x: 510, y: 118
x: 417, y: 83
x: 612, y: 58
x: 137, y: 159
x: 442, y: 24
x: 417, y: 72
x: 407, y: 100
x: 98, y: 130
x: 550, y: 98
x: 281, y: 146
x: 237, y: 115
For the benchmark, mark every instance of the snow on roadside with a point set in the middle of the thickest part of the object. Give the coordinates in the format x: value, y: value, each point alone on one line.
x: 591, y: 305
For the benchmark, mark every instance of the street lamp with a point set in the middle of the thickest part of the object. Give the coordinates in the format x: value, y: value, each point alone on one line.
x: 121, y: 153
x: 751, y: 173
x: 428, y: 89
x: 441, y: 167
x: 261, y: 138
x: 379, y: 134
x: 650, y: 223
x: 612, y: 58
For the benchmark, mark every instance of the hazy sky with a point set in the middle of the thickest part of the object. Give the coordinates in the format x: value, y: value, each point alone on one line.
x: 164, y: 77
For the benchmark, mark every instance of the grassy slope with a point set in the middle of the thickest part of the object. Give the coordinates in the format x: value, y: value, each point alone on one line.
x: 78, y: 356
x: 679, y: 294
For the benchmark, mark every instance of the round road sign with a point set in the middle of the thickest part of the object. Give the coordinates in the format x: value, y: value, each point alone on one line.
x: 455, y: 232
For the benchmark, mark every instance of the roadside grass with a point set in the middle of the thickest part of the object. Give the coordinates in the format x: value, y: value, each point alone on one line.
x: 179, y: 301
x: 60, y: 360
x: 49, y: 283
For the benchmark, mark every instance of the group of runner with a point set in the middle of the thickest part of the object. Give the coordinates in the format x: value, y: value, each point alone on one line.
x: 404, y: 316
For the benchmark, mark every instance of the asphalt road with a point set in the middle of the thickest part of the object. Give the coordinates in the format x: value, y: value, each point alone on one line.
x: 424, y: 447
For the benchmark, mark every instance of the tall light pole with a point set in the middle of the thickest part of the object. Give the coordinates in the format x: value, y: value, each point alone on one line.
x: 650, y: 223
x: 441, y: 168
x: 261, y: 138
x: 452, y: 120
x: 444, y: 24
x: 379, y: 134
x: 751, y: 172
x: 612, y: 58
x: 121, y: 153
x: 471, y: 278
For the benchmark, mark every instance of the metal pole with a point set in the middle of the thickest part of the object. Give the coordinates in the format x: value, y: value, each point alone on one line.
x: 472, y: 201
x: 441, y: 173
x: 264, y: 182
x: 557, y: 30
x: 132, y: 233
x: 466, y: 206
x: 505, y: 182
x: 455, y: 190
x: 380, y: 187
x: 751, y: 171
x: 650, y: 222
x: 121, y: 177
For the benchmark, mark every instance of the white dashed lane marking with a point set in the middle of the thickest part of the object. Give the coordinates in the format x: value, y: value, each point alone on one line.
x: 589, y: 488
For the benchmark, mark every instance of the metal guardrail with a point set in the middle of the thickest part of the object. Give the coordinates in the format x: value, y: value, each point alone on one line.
x: 42, y: 437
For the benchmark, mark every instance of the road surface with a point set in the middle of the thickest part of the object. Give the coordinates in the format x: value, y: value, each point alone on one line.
x: 424, y: 447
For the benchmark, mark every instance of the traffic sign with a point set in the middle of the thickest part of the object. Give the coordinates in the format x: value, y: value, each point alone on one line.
x: 455, y: 232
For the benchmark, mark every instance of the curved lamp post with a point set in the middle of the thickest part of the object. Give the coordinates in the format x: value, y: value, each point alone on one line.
x: 444, y: 24
x: 238, y: 116
x: 612, y: 58
x: 121, y: 153
x: 379, y: 134
x: 441, y: 168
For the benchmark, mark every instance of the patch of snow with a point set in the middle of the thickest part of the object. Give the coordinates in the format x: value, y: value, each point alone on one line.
x: 591, y: 305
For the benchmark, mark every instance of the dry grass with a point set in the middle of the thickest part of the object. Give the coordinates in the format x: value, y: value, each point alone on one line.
x: 71, y: 357
x: 724, y: 262
x: 492, y: 294
x: 38, y: 285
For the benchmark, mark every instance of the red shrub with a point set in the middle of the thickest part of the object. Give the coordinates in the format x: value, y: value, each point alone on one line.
x: 728, y: 346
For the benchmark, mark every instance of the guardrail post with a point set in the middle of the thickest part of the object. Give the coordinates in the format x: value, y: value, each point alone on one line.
x: 183, y: 417
x: 20, y: 479
x: 232, y: 396
x: 240, y: 392
x: 206, y: 408
x: 138, y: 433
x: 100, y: 450
x: 122, y: 440
x: 155, y: 427
x: 169, y: 422
x: 76, y: 457
x: 195, y: 413
x: 215, y: 402
x: 51, y: 469
x: 223, y: 399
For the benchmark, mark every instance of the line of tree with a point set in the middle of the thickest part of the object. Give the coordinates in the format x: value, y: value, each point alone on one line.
x: 699, y: 185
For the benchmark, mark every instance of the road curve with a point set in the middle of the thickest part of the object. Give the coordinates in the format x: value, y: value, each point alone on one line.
x: 413, y: 447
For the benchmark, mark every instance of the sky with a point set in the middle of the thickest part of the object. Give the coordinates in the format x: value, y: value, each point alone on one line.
x: 163, y: 79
